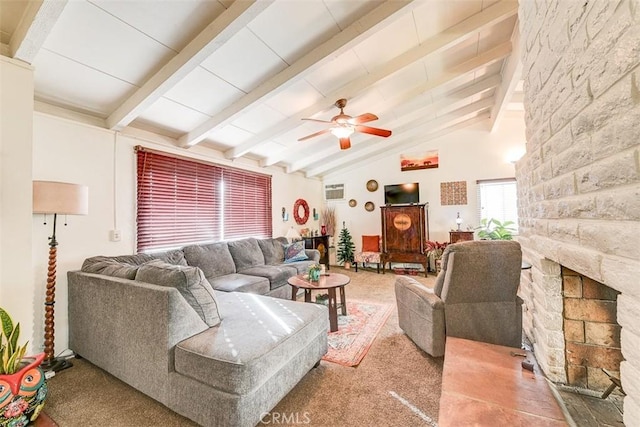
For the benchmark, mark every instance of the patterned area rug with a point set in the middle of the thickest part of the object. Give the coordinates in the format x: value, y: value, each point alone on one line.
x: 356, y: 332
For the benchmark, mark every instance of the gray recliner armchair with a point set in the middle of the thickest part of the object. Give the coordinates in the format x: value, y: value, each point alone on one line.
x: 474, y: 297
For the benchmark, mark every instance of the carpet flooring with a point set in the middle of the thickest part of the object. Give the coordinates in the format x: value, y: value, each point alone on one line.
x: 396, y: 384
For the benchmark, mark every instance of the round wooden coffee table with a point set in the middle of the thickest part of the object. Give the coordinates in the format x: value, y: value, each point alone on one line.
x: 329, y: 282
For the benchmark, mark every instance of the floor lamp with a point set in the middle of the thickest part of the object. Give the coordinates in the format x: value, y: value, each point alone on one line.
x: 57, y: 198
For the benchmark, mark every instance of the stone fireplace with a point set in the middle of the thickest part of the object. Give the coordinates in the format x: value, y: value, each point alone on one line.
x: 579, y: 191
x: 591, y: 332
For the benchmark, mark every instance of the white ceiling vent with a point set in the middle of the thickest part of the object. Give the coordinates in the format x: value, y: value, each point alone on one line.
x: 334, y: 192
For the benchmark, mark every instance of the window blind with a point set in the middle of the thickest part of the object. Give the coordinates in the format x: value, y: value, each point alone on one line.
x: 183, y: 201
x: 247, y: 205
x: 497, y: 198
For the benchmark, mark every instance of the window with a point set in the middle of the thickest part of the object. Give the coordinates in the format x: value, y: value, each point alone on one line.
x: 497, y: 198
x: 183, y: 201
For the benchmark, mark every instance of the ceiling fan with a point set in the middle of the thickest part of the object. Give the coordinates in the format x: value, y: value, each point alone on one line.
x: 344, y: 126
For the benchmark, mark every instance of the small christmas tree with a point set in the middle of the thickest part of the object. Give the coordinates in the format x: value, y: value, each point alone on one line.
x: 346, y: 247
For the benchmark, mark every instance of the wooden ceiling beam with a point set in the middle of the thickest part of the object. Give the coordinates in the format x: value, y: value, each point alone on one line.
x: 459, y: 71
x: 511, y: 74
x: 442, y: 105
x: 406, y: 135
x: 432, y: 46
x: 216, y: 34
x: 341, y: 42
x: 35, y: 25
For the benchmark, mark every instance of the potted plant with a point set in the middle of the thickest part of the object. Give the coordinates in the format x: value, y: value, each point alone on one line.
x: 314, y: 273
x: 346, y: 248
x: 22, y: 402
x: 492, y: 229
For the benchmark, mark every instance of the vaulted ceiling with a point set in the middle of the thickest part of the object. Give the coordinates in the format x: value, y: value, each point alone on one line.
x: 238, y: 76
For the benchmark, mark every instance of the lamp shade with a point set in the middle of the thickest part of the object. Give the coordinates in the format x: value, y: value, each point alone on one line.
x: 50, y: 197
x: 292, y: 234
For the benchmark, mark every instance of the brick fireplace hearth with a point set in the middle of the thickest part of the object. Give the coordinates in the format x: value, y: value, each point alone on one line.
x: 591, y: 332
x: 579, y: 185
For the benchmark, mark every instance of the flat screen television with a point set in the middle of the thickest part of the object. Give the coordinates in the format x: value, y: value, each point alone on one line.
x: 401, y: 194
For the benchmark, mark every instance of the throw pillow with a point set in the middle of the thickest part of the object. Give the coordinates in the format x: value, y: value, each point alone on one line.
x: 370, y: 243
x: 189, y: 281
x: 295, y: 252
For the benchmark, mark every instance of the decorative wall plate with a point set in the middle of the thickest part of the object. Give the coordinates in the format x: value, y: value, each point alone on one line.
x: 369, y: 206
x: 353, y: 203
x: 372, y: 185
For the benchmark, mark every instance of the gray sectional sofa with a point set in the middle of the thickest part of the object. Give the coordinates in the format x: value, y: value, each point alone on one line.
x: 199, y: 329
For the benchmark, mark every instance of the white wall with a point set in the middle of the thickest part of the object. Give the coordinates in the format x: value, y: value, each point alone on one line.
x: 68, y: 151
x: 466, y: 155
x: 16, y: 280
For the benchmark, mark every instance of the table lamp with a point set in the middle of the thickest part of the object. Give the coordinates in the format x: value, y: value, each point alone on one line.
x: 459, y: 221
x: 293, y: 235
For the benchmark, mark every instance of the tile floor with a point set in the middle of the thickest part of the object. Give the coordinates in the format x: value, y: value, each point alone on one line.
x: 589, y: 410
x: 485, y: 383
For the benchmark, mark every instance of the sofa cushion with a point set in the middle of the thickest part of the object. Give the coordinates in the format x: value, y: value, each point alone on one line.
x: 300, y: 266
x: 126, y: 266
x: 189, y: 281
x: 110, y: 267
x: 272, y: 250
x: 240, y: 283
x: 277, y: 274
x: 295, y: 252
x: 246, y: 253
x: 213, y: 259
x: 256, y: 337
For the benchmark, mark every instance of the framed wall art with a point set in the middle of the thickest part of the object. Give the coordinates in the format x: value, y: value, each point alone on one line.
x: 422, y: 160
x: 453, y: 193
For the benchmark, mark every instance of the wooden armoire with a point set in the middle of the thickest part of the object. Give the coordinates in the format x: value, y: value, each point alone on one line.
x: 405, y: 229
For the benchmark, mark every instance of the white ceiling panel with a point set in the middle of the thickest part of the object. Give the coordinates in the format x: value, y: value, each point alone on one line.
x: 87, y: 34
x: 301, y: 25
x: 269, y: 148
x: 345, y: 12
x: 174, y: 24
x: 203, y: 91
x: 451, y: 57
x: 391, y: 41
x: 170, y: 115
x: 228, y: 135
x: 497, y: 34
x: 397, y: 82
x: 337, y: 73
x: 244, y: 61
x: 434, y: 17
x: 86, y: 89
x: 296, y: 97
x: 258, y: 118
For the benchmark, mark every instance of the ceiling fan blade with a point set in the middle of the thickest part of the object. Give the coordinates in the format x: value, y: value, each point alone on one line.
x: 345, y: 143
x: 317, y: 120
x: 362, y: 118
x: 373, y: 131
x: 314, y: 134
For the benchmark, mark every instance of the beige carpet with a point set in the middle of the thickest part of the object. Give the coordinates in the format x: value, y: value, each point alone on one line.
x: 396, y: 384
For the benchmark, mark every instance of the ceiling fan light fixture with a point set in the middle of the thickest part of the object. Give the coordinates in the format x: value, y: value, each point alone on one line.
x: 342, y: 131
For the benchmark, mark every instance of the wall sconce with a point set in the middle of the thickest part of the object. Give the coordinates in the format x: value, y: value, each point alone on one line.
x: 458, y: 221
x: 285, y: 215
